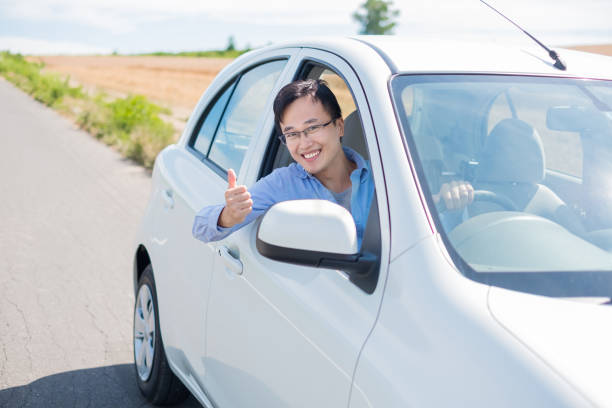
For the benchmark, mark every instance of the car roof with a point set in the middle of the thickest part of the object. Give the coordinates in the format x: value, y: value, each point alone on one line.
x: 414, y: 55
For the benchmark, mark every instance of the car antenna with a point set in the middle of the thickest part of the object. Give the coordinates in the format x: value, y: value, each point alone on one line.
x: 552, y: 53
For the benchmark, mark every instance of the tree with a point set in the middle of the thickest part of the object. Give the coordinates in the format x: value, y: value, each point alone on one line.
x: 230, y: 44
x: 376, y: 17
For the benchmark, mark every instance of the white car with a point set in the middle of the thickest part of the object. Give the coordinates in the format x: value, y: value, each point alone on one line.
x: 503, y: 303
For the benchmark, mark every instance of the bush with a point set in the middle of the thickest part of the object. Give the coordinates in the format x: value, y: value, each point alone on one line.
x: 134, y: 110
x: 201, y: 54
x: 139, y: 131
x: 147, y: 141
x: 132, y: 124
x: 49, y: 89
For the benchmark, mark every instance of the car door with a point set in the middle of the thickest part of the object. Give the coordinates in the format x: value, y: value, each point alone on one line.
x: 189, y: 178
x: 281, y: 335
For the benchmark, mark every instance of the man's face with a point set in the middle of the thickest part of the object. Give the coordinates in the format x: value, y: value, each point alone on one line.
x: 318, y: 151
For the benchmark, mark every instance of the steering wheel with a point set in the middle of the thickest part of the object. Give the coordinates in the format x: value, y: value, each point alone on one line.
x: 492, y: 197
x: 487, y: 196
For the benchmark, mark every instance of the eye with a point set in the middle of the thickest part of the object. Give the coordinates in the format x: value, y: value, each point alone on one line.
x: 312, y: 129
x: 292, y: 135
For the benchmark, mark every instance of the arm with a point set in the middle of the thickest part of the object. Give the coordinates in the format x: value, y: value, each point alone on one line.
x: 243, y: 208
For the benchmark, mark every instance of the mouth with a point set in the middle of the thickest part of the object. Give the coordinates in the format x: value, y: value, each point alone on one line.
x: 311, y: 156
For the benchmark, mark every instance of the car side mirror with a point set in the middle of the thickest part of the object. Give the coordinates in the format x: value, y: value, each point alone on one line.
x: 315, y: 233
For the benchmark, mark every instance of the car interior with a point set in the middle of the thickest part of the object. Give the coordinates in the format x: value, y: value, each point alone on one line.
x: 513, y: 141
x: 533, y: 175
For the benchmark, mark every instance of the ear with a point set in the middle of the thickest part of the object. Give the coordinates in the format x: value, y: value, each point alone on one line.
x: 340, y: 127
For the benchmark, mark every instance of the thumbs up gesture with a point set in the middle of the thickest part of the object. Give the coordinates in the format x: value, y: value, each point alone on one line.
x: 238, y: 203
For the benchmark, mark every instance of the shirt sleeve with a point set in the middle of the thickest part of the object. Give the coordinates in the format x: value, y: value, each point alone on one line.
x: 264, y: 194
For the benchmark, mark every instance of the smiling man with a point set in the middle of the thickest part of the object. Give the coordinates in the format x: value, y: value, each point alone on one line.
x: 310, y: 122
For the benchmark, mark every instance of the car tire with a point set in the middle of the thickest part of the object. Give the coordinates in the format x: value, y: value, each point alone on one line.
x: 155, y: 379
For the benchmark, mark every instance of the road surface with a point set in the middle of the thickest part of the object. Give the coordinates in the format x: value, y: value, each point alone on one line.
x: 69, y: 211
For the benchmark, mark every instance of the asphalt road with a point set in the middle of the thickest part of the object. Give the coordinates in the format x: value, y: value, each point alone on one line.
x: 69, y: 211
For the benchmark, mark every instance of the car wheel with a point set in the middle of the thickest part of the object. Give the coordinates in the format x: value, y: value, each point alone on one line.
x: 155, y: 379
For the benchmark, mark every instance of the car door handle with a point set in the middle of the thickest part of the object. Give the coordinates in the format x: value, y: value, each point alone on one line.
x: 168, y: 199
x: 232, y: 263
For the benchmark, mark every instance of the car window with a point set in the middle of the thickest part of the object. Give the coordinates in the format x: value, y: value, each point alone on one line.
x: 340, y: 89
x: 243, y: 115
x: 562, y: 149
x: 500, y: 109
x: 278, y: 155
x: 353, y: 129
x: 209, y: 125
x: 540, y: 174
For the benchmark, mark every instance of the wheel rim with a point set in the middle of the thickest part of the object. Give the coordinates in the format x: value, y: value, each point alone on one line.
x: 144, y: 332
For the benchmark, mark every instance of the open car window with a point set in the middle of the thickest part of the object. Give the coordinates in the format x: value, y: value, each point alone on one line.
x: 279, y: 156
x: 354, y: 136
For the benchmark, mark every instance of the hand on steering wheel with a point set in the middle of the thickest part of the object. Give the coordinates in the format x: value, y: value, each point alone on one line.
x: 455, y: 195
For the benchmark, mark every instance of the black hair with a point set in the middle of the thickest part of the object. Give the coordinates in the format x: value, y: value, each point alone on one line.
x: 316, y: 88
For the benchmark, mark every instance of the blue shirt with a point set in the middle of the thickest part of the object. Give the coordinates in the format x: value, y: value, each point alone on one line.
x: 292, y: 183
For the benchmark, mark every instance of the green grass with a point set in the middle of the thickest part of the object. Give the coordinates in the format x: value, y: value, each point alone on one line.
x: 49, y: 89
x: 206, y: 54
x: 132, y: 124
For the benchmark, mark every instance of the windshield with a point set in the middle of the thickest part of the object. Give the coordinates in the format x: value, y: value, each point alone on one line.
x: 538, y: 153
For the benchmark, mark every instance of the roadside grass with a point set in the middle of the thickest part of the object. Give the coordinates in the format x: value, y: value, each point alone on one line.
x: 131, y: 124
x: 49, y: 89
x: 206, y: 54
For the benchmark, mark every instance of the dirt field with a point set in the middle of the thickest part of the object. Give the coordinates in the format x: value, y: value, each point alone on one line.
x: 605, y: 49
x: 174, y: 82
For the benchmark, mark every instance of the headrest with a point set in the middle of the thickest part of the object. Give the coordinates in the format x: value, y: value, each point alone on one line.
x: 513, y: 152
x: 353, y: 134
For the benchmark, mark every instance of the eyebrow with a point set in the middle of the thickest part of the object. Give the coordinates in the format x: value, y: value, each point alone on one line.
x: 309, y: 121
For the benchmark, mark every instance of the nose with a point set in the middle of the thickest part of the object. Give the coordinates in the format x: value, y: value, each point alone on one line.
x: 305, y: 140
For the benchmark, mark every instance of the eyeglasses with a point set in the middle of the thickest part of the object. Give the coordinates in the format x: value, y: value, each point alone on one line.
x: 292, y: 137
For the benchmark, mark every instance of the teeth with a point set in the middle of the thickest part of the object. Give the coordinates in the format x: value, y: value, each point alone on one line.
x: 311, y: 155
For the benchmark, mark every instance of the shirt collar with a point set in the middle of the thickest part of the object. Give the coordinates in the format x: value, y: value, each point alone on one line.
x: 352, y: 155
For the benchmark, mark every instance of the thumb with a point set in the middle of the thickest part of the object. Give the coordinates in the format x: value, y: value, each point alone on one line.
x: 231, y: 178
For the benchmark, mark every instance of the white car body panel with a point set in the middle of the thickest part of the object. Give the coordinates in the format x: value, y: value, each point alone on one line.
x: 573, y: 338
x: 185, y: 283
x: 277, y: 334
x: 488, y: 57
x: 435, y: 328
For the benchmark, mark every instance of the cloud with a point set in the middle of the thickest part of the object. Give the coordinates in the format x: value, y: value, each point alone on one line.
x: 116, y: 22
x: 34, y: 46
x: 122, y: 16
x: 545, y: 15
x: 551, y: 21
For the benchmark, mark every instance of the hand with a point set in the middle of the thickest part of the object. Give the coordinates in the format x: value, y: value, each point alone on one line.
x: 238, y: 203
x: 456, y: 195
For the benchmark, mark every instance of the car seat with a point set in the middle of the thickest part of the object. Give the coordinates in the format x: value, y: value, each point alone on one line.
x: 512, y: 165
x: 353, y: 134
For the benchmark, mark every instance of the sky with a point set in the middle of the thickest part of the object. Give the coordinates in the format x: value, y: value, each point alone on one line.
x: 138, y: 26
